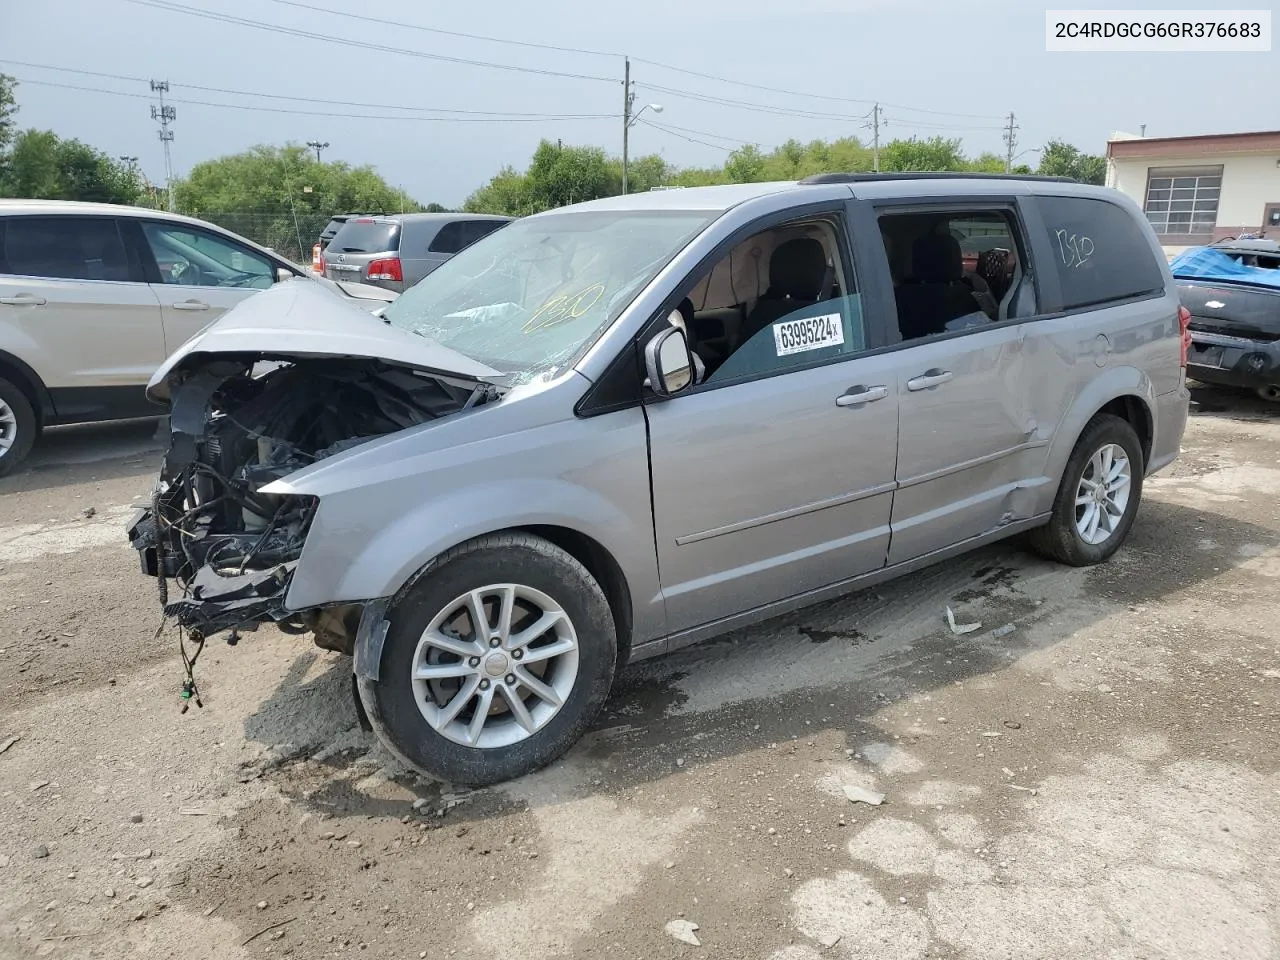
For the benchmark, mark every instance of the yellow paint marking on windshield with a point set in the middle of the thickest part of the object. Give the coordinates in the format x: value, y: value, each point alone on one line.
x: 562, y: 308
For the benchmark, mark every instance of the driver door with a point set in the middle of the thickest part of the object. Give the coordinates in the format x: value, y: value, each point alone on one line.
x: 201, y: 276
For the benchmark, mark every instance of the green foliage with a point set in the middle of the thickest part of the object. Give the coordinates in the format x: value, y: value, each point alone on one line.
x: 8, y: 109
x: 1061, y: 159
x: 914, y: 154
x: 263, y: 194
x: 41, y: 164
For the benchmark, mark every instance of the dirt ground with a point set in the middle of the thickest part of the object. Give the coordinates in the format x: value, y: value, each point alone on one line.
x: 1092, y: 773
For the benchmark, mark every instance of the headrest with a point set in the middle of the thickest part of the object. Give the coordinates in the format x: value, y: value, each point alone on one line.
x: 936, y: 258
x: 797, y: 269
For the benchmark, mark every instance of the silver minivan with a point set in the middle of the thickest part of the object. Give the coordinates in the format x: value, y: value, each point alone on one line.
x: 610, y: 430
x: 397, y: 251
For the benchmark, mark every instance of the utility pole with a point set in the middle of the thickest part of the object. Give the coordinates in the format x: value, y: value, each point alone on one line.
x: 627, y: 98
x: 165, y: 115
x: 1010, y: 143
x: 317, y: 146
x: 876, y: 137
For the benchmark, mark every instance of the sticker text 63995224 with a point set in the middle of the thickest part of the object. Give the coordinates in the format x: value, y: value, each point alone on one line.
x: 808, y: 333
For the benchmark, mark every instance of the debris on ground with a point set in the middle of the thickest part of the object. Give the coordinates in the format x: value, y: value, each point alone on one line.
x: 960, y: 628
x: 858, y: 794
x: 38, y: 785
x: 683, y: 930
x: 40, y: 851
x: 830, y: 941
x: 1004, y: 631
x: 89, y: 512
x: 8, y: 742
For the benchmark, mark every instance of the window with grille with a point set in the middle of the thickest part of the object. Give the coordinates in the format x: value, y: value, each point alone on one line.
x: 1183, y: 201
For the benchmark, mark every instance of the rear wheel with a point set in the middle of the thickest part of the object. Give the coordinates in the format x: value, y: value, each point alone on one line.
x: 18, y: 426
x: 1098, y: 497
x: 495, y: 662
x: 1270, y: 394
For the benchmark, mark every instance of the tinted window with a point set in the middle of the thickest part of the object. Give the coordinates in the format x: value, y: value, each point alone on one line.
x: 192, y: 258
x: 65, y: 248
x: 451, y: 238
x: 481, y: 228
x: 1099, y: 251
x: 367, y: 236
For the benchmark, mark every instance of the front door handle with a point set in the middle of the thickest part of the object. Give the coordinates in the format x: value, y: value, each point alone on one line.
x: 23, y: 300
x: 930, y: 378
x: 858, y: 395
x: 191, y: 305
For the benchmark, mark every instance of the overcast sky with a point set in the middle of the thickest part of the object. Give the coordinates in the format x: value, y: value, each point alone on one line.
x: 980, y: 57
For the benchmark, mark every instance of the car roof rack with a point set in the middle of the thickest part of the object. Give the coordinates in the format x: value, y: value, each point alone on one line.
x: 941, y: 175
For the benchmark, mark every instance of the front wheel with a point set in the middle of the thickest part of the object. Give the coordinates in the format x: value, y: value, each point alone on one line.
x: 18, y: 426
x: 495, y: 662
x: 1098, y: 497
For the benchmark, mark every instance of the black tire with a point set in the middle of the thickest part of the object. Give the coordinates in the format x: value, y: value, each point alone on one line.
x: 27, y: 426
x: 391, y: 702
x: 1059, y: 539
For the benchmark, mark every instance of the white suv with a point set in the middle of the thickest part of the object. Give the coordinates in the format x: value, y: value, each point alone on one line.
x: 93, y: 297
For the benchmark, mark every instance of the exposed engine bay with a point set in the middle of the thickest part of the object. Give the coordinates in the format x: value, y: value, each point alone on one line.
x: 238, y: 423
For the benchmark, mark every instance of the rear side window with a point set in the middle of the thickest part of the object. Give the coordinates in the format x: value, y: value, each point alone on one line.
x: 451, y: 238
x: 1099, y: 251
x: 481, y: 228
x: 367, y: 236
x: 63, y: 248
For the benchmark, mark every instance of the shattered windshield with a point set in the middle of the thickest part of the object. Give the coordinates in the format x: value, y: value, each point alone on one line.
x: 528, y: 299
x: 1233, y: 266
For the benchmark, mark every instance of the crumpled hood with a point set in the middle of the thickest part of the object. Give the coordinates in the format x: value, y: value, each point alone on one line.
x: 292, y: 320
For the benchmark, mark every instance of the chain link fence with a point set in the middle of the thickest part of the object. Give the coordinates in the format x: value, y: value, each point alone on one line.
x: 289, y: 235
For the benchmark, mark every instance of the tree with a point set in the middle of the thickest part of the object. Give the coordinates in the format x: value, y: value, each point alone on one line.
x: 1061, y: 159
x: 262, y: 194
x: 931, y: 155
x: 8, y: 109
x: 41, y: 164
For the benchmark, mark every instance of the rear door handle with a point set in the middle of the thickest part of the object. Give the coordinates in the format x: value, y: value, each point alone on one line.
x: 191, y: 305
x: 23, y: 300
x: 858, y: 395
x: 930, y: 378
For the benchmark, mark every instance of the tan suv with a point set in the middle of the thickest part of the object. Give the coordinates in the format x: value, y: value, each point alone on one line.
x: 93, y: 297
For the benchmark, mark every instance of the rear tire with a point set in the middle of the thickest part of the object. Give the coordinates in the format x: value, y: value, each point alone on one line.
x: 1088, y: 526
x: 18, y: 426
x: 470, y: 701
x: 1270, y: 393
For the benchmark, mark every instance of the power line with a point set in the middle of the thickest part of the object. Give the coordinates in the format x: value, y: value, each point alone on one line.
x: 362, y: 44
x: 280, y: 96
x: 748, y: 105
x: 669, y: 132
x: 665, y: 124
x: 504, y: 118
x: 585, y: 51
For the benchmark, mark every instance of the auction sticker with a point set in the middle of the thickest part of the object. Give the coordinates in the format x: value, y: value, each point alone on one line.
x: 810, y: 333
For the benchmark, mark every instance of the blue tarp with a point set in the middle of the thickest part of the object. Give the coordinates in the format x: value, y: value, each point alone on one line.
x: 1206, y: 263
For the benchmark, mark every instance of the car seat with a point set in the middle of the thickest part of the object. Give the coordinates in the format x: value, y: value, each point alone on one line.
x: 936, y: 292
x: 797, y: 271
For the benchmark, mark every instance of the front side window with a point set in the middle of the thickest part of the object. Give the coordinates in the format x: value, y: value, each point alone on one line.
x: 1099, y: 251
x: 1183, y: 201
x: 193, y: 258
x: 779, y: 300
x: 531, y: 297
x: 63, y: 248
x: 956, y: 270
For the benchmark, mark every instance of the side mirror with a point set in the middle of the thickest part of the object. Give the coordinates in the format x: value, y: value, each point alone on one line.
x: 283, y: 274
x: 667, y: 362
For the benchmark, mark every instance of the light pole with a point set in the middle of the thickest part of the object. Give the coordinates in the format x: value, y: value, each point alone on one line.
x: 318, y: 146
x: 628, y: 121
x: 1013, y: 160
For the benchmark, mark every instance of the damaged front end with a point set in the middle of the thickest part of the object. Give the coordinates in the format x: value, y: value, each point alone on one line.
x: 230, y: 548
x: 241, y: 418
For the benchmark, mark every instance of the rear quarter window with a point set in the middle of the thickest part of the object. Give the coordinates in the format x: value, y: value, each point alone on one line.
x: 1100, y: 252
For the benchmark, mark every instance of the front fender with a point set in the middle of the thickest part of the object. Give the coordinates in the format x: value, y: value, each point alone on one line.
x: 392, y: 556
x: 1112, y: 384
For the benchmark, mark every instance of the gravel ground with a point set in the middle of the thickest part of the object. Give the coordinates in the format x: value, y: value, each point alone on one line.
x: 1093, y: 773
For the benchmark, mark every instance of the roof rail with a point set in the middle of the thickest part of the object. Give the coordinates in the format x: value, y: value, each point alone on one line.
x: 941, y: 175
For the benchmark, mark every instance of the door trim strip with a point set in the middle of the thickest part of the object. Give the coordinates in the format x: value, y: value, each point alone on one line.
x: 787, y: 514
x: 975, y: 462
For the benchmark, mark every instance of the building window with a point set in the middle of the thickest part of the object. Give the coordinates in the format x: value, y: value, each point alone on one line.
x: 1183, y: 201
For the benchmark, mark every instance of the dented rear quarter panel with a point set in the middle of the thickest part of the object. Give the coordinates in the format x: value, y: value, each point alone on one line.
x: 391, y: 505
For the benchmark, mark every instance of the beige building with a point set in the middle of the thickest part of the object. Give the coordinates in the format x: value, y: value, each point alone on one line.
x: 1199, y: 189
